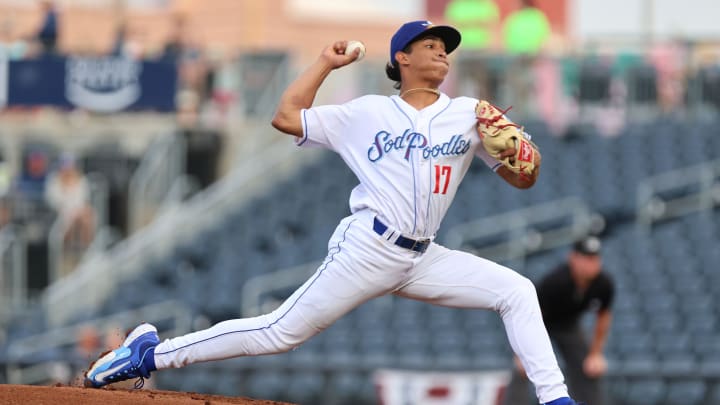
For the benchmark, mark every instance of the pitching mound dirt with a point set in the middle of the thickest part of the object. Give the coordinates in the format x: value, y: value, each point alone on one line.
x: 40, y: 395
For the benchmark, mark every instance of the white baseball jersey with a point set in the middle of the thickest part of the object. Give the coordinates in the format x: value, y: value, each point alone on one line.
x: 409, y: 162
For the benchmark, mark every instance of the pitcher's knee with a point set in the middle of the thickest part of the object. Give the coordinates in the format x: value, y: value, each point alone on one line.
x: 521, y: 295
x: 526, y: 289
x: 286, y: 339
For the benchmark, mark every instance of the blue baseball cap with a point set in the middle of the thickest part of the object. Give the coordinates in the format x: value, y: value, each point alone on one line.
x: 411, y: 31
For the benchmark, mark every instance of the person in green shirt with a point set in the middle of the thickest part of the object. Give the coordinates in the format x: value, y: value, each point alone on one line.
x: 526, y: 30
x: 477, y: 21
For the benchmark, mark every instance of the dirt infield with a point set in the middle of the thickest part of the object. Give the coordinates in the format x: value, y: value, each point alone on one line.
x: 41, y: 395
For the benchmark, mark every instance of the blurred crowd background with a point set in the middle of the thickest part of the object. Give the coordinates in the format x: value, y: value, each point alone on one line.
x: 140, y: 179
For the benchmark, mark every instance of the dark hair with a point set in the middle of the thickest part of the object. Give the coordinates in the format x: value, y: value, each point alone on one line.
x: 393, y: 71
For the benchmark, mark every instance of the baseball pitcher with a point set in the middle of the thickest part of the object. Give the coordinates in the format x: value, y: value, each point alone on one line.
x: 409, y: 152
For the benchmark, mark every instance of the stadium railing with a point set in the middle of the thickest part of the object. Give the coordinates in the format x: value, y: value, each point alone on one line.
x: 161, y: 166
x: 256, y: 288
x: 678, y: 192
x: 515, y: 234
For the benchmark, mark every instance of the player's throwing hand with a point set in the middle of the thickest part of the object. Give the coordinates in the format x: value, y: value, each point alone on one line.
x: 335, y: 54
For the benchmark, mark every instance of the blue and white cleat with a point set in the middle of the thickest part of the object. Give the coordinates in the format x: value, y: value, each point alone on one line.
x: 134, y: 359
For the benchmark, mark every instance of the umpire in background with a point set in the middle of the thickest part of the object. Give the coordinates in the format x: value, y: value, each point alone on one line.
x: 566, y: 293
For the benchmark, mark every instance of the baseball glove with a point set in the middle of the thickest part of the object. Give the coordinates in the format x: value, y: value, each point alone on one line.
x: 499, y: 134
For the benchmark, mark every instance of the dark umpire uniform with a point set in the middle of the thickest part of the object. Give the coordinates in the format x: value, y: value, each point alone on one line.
x: 566, y: 293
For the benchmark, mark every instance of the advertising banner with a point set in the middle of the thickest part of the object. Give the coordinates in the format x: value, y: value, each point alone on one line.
x: 108, y: 84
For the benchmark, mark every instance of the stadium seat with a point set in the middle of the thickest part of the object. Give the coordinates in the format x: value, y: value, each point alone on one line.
x: 686, y: 392
x: 270, y: 385
x: 677, y: 364
x: 638, y: 363
x: 594, y: 82
x: 448, y: 342
x: 642, y: 86
x: 646, y: 392
x: 306, y: 387
x: 372, y: 341
x: 706, y: 345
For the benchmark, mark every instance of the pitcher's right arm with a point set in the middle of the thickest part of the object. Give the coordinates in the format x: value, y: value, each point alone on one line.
x: 301, y: 93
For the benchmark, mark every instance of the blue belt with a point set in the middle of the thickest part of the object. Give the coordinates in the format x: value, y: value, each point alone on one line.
x: 419, y: 245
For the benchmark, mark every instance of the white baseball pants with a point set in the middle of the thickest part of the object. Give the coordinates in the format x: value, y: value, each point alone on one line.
x: 362, y: 265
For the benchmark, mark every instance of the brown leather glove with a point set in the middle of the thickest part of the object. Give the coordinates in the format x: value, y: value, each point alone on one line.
x: 498, y: 134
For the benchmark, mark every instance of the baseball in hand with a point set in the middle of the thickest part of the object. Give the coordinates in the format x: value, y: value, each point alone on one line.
x: 352, y: 45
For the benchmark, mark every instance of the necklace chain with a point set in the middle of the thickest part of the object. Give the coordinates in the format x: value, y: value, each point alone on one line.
x: 428, y: 89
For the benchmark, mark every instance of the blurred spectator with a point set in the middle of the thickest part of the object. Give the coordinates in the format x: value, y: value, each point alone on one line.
x: 5, y: 180
x: 187, y: 112
x: 526, y: 30
x: 88, y: 344
x: 175, y: 44
x: 477, y: 21
x: 203, y: 144
x: 5, y: 175
x: 221, y: 83
x: 5, y: 212
x: 671, y: 63
x: 11, y: 46
x: 68, y: 193
x: 556, y: 102
x: 47, y: 35
x: 31, y: 182
x: 128, y: 41
x: 180, y: 48
x: 120, y: 41
x: 565, y: 294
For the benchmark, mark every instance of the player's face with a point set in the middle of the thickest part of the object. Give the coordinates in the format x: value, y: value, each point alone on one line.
x: 427, y: 59
x: 586, y: 267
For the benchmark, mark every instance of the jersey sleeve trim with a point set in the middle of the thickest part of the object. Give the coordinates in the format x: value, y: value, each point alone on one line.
x: 301, y: 141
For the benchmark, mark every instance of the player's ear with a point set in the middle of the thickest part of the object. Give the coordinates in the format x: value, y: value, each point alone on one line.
x: 401, y: 58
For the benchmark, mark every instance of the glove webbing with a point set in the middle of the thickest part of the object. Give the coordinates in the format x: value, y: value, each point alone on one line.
x: 490, y: 122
